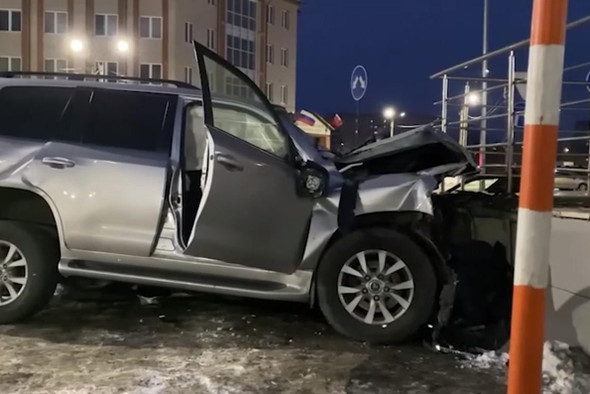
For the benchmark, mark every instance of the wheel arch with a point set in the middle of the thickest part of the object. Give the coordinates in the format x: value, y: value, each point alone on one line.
x: 27, y: 206
x: 410, y: 223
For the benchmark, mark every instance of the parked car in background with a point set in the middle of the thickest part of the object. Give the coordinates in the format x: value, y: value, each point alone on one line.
x: 570, y: 180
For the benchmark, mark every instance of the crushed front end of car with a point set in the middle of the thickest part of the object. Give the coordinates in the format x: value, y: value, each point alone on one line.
x: 469, y: 236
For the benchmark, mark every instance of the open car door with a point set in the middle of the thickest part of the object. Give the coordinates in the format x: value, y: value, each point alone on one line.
x: 250, y: 213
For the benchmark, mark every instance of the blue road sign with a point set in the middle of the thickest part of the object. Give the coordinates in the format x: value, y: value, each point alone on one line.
x: 358, y: 82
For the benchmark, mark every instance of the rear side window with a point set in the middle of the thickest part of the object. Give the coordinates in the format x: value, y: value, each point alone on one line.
x: 35, y: 112
x: 130, y: 120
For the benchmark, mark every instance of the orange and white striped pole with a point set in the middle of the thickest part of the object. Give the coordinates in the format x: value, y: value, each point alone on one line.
x: 535, y: 206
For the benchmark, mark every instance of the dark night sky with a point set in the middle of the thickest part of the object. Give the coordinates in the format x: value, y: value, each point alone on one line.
x: 401, y: 43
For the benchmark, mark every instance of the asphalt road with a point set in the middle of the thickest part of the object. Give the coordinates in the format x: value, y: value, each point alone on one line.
x: 211, y: 344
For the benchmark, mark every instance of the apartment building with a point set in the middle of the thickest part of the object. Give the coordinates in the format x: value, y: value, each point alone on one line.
x: 152, y: 38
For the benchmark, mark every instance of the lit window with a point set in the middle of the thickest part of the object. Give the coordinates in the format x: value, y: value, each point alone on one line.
x: 105, y: 24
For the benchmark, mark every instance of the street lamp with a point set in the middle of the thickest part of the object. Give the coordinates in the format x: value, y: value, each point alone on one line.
x: 390, y: 114
x: 76, y: 45
x: 123, y: 46
x: 473, y: 99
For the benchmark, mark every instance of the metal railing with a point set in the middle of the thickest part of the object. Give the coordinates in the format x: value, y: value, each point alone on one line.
x: 499, y: 120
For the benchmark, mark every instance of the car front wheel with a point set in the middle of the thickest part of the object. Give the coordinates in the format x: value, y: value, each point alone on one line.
x: 376, y: 285
x: 28, y: 270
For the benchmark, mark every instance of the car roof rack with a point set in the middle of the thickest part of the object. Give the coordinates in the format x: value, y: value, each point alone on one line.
x: 95, y: 77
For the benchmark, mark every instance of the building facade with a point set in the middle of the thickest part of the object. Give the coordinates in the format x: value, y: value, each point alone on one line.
x: 152, y: 38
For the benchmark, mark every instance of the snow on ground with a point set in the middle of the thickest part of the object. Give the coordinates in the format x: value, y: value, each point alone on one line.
x: 214, y: 345
x: 565, y: 371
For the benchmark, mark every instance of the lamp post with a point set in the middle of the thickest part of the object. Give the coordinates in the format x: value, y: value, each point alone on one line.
x: 390, y: 114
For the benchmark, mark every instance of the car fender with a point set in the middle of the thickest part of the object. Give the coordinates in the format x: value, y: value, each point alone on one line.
x: 381, y: 194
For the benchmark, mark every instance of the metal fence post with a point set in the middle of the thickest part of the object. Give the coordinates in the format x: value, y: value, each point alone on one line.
x: 510, y: 122
x: 444, y: 110
x: 463, y: 125
x: 464, y: 117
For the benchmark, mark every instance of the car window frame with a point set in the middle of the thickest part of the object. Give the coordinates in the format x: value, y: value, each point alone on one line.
x: 200, y: 52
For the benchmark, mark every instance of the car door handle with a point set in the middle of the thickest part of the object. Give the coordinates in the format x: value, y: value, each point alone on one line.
x: 58, y: 162
x: 228, y: 162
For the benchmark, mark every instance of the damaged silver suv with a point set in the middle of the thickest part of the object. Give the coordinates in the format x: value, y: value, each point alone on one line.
x: 211, y: 189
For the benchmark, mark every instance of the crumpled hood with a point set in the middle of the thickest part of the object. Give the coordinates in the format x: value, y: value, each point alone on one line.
x: 422, y: 150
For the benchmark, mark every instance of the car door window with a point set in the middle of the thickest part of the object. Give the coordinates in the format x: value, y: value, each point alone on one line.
x: 130, y: 120
x: 35, y: 112
x: 241, y: 111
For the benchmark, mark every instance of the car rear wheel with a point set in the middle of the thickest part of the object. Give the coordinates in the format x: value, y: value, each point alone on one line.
x: 28, y: 270
x: 376, y: 285
x: 582, y: 187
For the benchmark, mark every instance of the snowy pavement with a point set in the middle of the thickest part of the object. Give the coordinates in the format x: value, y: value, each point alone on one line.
x: 211, y: 344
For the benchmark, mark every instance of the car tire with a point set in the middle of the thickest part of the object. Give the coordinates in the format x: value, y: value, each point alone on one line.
x: 40, y: 253
x: 582, y: 187
x: 373, y: 243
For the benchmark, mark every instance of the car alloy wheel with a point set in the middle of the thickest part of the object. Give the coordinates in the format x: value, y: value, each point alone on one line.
x: 13, y: 273
x: 375, y: 287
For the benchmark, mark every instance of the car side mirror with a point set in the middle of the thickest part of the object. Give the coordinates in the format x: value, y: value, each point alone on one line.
x: 313, y: 180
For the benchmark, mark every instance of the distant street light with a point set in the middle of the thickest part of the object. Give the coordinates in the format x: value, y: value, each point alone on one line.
x: 473, y: 99
x: 123, y: 46
x: 77, y: 46
x: 566, y: 149
x: 390, y: 114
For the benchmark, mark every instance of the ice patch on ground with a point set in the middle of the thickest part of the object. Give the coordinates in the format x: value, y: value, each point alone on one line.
x: 489, y: 360
x: 155, y: 384
x: 563, y: 371
x: 213, y: 387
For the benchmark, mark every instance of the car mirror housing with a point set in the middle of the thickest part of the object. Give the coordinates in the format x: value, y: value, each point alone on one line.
x: 313, y: 179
